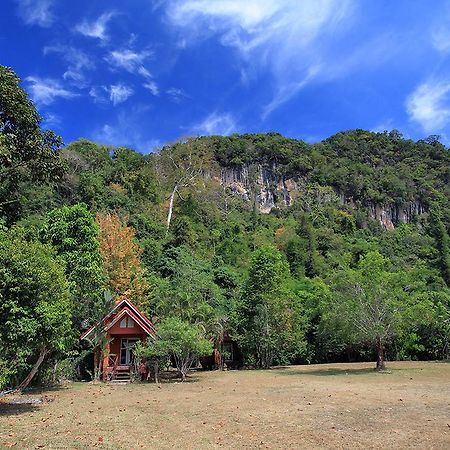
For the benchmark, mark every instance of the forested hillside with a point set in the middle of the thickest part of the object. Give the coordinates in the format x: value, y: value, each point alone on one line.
x: 302, y: 252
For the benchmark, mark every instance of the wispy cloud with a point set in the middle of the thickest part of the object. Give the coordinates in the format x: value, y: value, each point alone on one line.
x: 36, y: 12
x: 440, y: 30
x: 440, y: 38
x: 129, y: 60
x: 51, y: 120
x: 115, y: 93
x: 97, y: 28
x: 429, y: 105
x: 215, y: 124
x: 118, y: 93
x: 124, y: 130
x: 152, y: 87
x: 45, y: 91
x: 78, y: 61
x: 285, y: 91
x: 176, y: 95
x: 293, y: 39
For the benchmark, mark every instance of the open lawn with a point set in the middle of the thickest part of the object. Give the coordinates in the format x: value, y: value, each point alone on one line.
x: 317, y: 406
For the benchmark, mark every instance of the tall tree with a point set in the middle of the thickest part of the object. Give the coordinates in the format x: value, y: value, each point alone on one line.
x: 121, y: 257
x: 74, y: 234
x: 442, y: 240
x: 26, y: 152
x: 189, y: 293
x: 35, y: 307
x: 371, y: 305
x: 181, y: 166
x: 270, y: 319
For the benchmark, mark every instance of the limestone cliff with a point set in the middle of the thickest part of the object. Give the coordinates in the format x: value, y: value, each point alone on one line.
x: 266, y: 185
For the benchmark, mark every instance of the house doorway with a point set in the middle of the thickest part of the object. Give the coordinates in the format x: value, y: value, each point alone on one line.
x: 126, y: 351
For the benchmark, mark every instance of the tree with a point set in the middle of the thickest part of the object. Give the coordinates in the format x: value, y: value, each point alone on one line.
x: 371, y: 305
x: 26, y: 152
x: 35, y: 308
x: 121, y: 257
x: 184, y: 342
x: 156, y: 354
x: 181, y: 165
x: 442, y: 239
x: 74, y: 234
x: 189, y: 292
x: 306, y: 231
x: 270, y: 320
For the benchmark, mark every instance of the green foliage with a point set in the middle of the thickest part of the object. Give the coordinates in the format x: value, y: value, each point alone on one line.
x: 27, y: 154
x: 270, y: 316
x: 178, y: 339
x: 190, y: 293
x: 372, y: 305
x: 72, y: 231
x: 212, y: 261
x: 35, y: 308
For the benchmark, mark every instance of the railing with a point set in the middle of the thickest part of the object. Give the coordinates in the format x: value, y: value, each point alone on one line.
x: 113, y: 362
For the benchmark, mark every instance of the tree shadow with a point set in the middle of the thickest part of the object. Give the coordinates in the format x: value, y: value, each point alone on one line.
x: 14, y: 409
x: 330, y: 372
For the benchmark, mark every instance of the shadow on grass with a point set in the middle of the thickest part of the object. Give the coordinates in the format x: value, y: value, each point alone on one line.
x: 12, y: 409
x: 330, y: 372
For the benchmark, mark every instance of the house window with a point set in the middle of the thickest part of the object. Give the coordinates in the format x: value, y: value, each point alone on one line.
x: 126, y: 351
x: 127, y: 322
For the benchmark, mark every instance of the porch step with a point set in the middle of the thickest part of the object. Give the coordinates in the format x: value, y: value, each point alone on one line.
x: 122, y: 376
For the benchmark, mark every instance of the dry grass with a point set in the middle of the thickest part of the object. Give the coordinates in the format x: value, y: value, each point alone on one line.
x: 321, y: 406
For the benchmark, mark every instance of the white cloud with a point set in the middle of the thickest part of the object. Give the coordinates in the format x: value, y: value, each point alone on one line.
x: 176, y: 95
x: 429, y: 105
x: 36, y: 12
x: 295, y: 40
x: 124, y: 131
x: 129, y: 60
x: 99, y: 94
x: 152, y: 87
x: 51, y: 120
x: 381, y: 127
x: 286, y: 91
x: 440, y: 38
x: 97, y: 28
x: 45, y: 91
x: 77, y: 61
x: 118, y: 93
x: 216, y: 124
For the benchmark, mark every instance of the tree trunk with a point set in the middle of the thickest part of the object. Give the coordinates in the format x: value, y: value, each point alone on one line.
x: 34, y: 370
x: 380, y: 355
x: 156, y: 369
x: 169, y: 213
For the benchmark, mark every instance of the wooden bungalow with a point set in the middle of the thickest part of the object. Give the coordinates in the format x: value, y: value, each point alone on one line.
x: 226, y: 353
x: 120, y: 329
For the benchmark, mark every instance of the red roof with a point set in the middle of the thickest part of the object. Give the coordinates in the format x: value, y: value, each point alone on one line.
x: 122, y: 308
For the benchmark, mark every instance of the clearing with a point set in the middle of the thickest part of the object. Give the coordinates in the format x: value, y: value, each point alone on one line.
x: 317, y: 406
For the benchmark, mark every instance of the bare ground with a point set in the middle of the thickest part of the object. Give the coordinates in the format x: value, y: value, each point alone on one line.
x: 317, y: 406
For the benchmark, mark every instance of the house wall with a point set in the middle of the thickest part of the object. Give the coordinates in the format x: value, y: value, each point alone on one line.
x: 114, y: 345
x: 115, y: 329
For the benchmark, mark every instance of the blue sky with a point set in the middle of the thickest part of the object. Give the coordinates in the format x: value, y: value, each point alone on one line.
x: 142, y: 73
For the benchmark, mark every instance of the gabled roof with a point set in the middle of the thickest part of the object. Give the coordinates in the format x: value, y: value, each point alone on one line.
x: 122, y: 308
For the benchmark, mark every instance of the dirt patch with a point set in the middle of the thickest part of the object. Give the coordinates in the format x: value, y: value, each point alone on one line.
x: 318, y: 406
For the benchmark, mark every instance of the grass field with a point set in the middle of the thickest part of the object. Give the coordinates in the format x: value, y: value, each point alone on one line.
x: 317, y: 406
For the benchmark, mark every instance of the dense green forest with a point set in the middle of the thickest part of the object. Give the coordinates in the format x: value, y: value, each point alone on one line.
x: 334, y: 251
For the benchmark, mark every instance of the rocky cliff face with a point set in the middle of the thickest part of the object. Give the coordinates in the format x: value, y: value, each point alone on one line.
x: 391, y: 215
x: 264, y: 184
x: 260, y: 183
